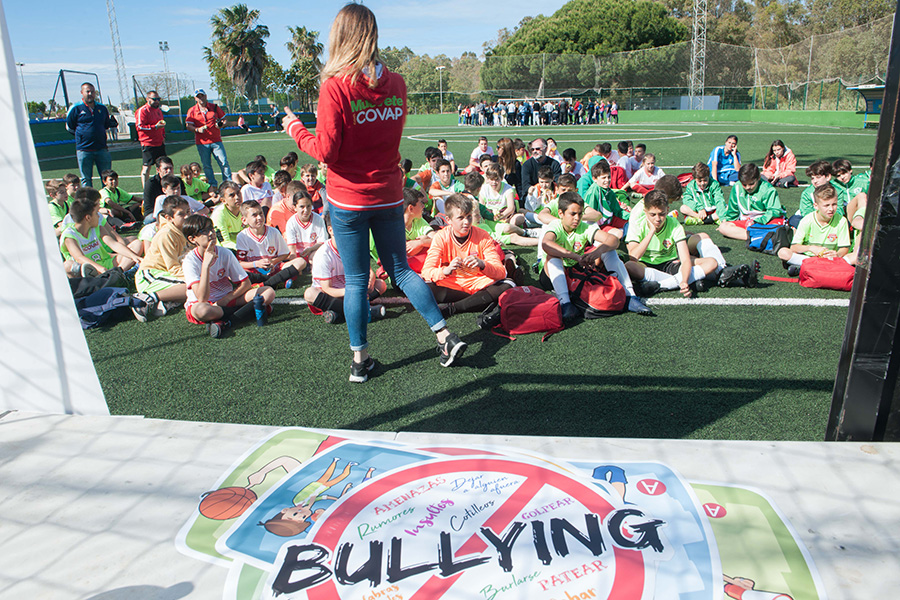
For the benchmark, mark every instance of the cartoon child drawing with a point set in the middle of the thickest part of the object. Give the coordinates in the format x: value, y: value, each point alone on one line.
x: 294, y: 520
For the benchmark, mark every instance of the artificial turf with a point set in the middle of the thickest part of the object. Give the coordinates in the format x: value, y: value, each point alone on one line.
x: 694, y: 371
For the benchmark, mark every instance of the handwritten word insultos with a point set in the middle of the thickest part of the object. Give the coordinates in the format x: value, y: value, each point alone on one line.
x: 433, y: 510
x: 307, y: 565
x: 457, y: 521
x: 409, y: 495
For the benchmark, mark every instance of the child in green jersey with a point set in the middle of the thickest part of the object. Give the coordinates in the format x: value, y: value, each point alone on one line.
x: 753, y: 201
x: 118, y: 203
x: 86, y: 249
x: 819, y: 173
x: 567, y: 242
x: 702, y: 201
x: 661, y: 258
x: 602, y: 204
x: 823, y: 232
x: 195, y: 187
x: 58, y: 203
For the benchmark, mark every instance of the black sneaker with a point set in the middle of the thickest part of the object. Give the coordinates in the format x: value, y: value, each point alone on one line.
x: 730, y: 276
x: 569, y: 311
x: 793, y: 270
x: 648, y: 288
x: 359, y: 372
x: 330, y: 317
x: 377, y: 312
x: 490, y: 317
x: 216, y: 329
x: 751, y: 280
x: 701, y: 285
x: 451, y: 349
x: 636, y: 305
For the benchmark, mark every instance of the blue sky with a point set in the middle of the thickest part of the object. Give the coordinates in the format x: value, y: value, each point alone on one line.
x: 76, y: 35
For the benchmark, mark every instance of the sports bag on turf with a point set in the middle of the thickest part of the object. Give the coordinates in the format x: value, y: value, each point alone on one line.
x: 768, y: 238
x: 103, y: 305
x: 597, y: 294
x: 827, y: 273
x: 527, y: 309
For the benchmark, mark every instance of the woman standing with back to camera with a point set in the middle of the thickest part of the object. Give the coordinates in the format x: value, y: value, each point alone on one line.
x: 362, y: 109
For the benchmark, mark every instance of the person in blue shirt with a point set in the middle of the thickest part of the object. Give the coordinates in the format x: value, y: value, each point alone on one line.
x: 88, y: 122
x: 725, y: 162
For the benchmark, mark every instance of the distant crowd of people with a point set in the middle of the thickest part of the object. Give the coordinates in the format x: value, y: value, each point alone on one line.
x: 510, y: 113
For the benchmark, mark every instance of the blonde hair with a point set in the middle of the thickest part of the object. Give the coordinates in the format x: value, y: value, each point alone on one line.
x: 353, y: 45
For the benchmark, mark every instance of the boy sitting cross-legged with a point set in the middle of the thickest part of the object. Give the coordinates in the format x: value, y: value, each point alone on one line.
x: 118, y: 203
x: 603, y: 201
x: 262, y: 251
x: 567, y: 242
x: 662, y: 257
x: 218, y: 289
x: 753, y: 200
x: 161, y: 275
x: 702, y: 201
x: 464, y: 266
x: 85, y: 246
x: 326, y: 294
x: 823, y: 232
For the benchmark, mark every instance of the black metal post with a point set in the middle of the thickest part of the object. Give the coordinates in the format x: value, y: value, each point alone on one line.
x: 866, y: 400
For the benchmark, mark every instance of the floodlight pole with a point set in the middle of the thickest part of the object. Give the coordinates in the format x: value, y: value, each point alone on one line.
x: 698, y: 54
x: 440, y: 71
x: 164, y: 48
x: 24, y: 93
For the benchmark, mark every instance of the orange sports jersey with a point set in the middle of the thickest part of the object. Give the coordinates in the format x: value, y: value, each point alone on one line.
x: 444, y: 248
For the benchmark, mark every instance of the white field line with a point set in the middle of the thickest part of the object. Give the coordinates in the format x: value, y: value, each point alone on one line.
x: 813, y: 302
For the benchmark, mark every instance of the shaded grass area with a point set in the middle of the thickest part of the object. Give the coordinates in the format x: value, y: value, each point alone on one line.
x: 699, y: 372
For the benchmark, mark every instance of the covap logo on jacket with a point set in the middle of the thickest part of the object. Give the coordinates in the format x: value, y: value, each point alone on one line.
x: 366, y: 112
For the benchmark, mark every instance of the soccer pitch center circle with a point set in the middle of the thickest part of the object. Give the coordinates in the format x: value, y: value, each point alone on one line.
x: 562, y: 134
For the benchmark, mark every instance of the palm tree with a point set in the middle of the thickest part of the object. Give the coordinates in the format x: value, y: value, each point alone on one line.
x: 240, y: 44
x: 305, y: 49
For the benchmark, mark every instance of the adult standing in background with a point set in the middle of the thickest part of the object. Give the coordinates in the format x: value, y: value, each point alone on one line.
x: 362, y: 109
x: 206, y: 120
x: 151, y: 132
x: 88, y: 122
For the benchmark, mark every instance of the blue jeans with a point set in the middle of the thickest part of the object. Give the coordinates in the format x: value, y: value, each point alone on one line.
x: 214, y: 150
x: 351, y: 236
x: 87, y: 159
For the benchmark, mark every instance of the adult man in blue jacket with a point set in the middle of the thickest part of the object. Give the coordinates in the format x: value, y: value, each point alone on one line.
x: 88, y: 122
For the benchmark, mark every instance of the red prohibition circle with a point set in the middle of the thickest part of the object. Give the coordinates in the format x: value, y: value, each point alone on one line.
x: 628, y: 582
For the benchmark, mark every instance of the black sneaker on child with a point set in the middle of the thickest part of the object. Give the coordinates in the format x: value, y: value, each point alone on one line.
x: 636, y: 305
x: 377, y: 312
x: 648, y: 288
x: 793, y: 270
x: 490, y: 317
x: 451, y: 349
x: 330, y: 317
x: 730, y: 276
x: 359, y: 372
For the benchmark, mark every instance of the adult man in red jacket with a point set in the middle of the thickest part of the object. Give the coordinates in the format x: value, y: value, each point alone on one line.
x: 151, y: 132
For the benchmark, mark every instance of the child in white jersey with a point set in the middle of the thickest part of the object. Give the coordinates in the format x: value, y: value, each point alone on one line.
x: 262, y: 251
x: 218, y: 289
x: 326, y: 294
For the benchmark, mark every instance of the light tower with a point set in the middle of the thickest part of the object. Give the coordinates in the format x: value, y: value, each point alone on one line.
x: 440, y: 71
x: 117, y: 50
x: 698, y: 55
x: 164, y: 48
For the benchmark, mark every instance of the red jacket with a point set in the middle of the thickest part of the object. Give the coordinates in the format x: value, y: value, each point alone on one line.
x: 144, y: 120
x: 198, y: 118
x: 358, y: 134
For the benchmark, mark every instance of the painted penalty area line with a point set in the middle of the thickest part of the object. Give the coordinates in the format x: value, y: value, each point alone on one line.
x: 813, y: 302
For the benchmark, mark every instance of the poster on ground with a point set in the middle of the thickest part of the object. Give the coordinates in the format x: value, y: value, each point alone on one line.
x: 312, y: 516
